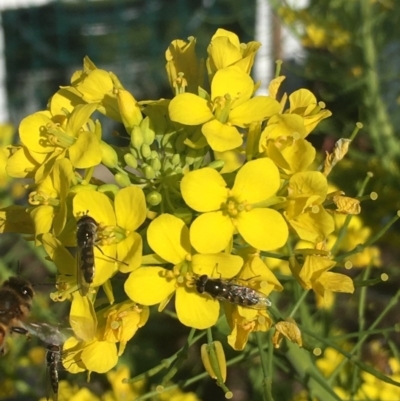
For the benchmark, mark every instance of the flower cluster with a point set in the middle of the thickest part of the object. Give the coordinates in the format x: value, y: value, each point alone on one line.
x: 209, y: 182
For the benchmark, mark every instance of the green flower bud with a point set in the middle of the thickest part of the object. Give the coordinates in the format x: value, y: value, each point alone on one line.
x: 154, y: 154
x: 134, y: 152
x: 109, y: 156
x: 176, y: 159
x: 136, y: 137
x: 146, y: 151
x: 122, y: 180
x: 130, y: 160
x: 154, y: 198
x: 109, y: 189
x: 148, y: 172
x: 148, y: 131
x: 217, y: 164
x: 156, y: 164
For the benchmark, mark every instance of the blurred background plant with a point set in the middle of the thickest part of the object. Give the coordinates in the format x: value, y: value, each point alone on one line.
x: 349, y: 58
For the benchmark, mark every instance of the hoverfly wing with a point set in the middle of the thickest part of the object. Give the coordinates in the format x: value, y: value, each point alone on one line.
x: 248, y: 297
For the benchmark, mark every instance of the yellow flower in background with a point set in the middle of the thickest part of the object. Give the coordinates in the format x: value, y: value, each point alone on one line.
x: 230, y: 105
x: 181, y: 59
x: 225, y: 50
x: 356, y: 233
x: 168, y: 236
x: 228, y: 211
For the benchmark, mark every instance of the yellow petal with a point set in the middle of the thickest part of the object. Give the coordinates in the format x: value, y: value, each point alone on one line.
x: 193, y: 193
x: 42, y: 217
x: 224, y: 51
x: 168, y: 236
x: 22, y: 165
x: 256, y: 109
x: 232, y: 81
x: 95, y: 85
x: 63, y: 259
x: 194, y: 310
x: 72, y: 355
x: 313, y: 226
x: 141, y: 283
x: 217, y: 265
x: 308, y: 183
x: 263, y: 229
x: 98, y: 206
x: 64, y: 99
x: 291, y: 331
x: 189, y: 109
x: 80, y: 117
x: 82, y: 317
x: 211, y: 232
x: 32, y: 132
x: 130, y: 208
x: 100, y: 356
x: 86, y: 151
x: 221, y: 137
x: 256, y: 181
x: 336, y: 282
x: 300, y: 155
x: 130, y: 251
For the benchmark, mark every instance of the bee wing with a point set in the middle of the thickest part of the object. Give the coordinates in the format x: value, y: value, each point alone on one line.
x: 46, y: 332
x: 83, y: 285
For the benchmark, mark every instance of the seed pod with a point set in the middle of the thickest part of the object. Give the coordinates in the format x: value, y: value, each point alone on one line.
x: 214, y: 361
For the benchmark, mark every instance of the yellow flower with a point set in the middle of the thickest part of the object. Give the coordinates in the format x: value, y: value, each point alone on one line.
x: 228, y: 211
x: 122, y: 321
x: 305, y: 213
x: 59, y: 136
x: 168, y: 236
x: 50, y: 196
x: 230, y: 105
x: 121, y: 390
x: 181, y: 59
x: 225, y: 50
x: 117, y: 221
x: 313, y: 274
x: 95, y: 346
x: 288, y: 329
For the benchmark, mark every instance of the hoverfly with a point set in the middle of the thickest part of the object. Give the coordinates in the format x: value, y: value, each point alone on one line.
x: 86, y: 239
x: 16, y: 296
x: 54, y: 340
x: 86, y: 236
x: 230, y: 291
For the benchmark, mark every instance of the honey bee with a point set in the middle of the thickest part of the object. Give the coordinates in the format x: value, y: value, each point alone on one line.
x: 86, y: 236
x: 230, y: 291
x: 16, y: 295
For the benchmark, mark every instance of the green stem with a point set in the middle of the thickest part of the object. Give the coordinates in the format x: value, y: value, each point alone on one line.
x: 380, y: 128
x: 267, y: 382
